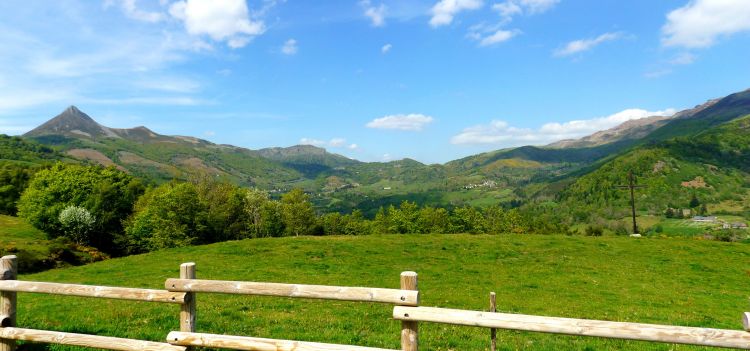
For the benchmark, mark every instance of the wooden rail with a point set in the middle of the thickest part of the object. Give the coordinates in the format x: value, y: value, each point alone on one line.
x: 582, y: 327
x: 105, y: 292
x: 83, y: 340
x: 256, y: 344
x: 392, y: 296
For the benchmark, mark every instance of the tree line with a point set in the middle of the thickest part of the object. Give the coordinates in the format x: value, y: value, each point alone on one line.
x: 118, y: 214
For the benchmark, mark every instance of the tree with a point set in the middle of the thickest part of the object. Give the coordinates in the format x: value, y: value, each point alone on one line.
x: 170, y: 215
x: 77, y: 223
x: 405, y: 219
x: 225, y: 209
x: 107, y: 193
x: 298, y: 213
x: 694, y: 202
x: 14, y: 179
x: 468, y: 219
x: 254, y: 208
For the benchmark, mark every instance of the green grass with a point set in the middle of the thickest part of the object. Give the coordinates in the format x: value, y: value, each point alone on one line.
x: 17, y: 234
x: 35, y: 252
x: 670, y: 281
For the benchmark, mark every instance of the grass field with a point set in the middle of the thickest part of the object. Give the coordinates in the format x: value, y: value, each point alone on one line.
x: 35, y: 252
x: 668, y: 280
x: 20, y: 238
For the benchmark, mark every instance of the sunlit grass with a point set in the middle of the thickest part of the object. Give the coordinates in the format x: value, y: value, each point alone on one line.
x: 669, y: 280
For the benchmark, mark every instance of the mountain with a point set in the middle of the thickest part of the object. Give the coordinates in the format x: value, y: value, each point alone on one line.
x: 145, y: 153
x: 631, y: 130
x: 712, y: 166
x: 564, y: 172
x: 307, y: 159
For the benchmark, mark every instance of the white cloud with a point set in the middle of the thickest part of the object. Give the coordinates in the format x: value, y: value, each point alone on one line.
x: 444, y: 10
x: 386, y: 48
x: 168, y: 84
x: 538, y: 6
x: 510, y: 8
x: 498, y: 37
x: 131, y: 10
x: 289, y: 47
x: 336, y: 143
x: 222, y: 20
x: 700, y: 23
x: 491, y: 34
x: 375, y: 13
x: 684, y: 58
x: 500, y: 132
x: 578, y: 46
x: 410, y: 122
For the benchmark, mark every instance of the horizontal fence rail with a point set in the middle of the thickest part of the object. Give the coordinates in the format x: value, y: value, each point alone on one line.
x: 581, y: 327
x: 84, y: 340
x: 105, y: 292
x: 392, y: 296
x: 256, y: 344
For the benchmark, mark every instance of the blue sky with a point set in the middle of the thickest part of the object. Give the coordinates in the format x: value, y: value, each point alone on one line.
x: 373, y: 80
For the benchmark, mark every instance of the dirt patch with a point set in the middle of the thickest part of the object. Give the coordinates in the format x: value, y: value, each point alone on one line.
x: 197, y: 164
x: 95, y: 156
x: 696, y: 183
x: 659, y: 166
x: 133, y: 159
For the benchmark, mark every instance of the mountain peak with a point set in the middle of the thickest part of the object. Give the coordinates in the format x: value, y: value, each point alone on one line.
x: 70, y: 121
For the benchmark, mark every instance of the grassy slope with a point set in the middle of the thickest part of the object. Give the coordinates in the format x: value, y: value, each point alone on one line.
x: 671, y: 281
x: 15, y: 233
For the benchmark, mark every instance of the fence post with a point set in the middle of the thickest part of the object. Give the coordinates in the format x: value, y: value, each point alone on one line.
x: 409, y: 330
x: 746, y: 321
x: 187, y: 309
x: 9, y: 271
x: 493, y: 331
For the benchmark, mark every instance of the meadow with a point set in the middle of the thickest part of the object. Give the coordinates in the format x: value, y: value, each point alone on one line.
x: 678, y: 281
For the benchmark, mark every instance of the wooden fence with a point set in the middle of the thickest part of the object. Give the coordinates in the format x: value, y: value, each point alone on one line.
x: 406, y: 309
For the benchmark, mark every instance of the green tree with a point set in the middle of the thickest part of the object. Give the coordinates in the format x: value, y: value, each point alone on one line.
x: 298, y: 213
x: 405, y: 219
x: 434, y: 220
x: 468, y: 219
x: 107, y: 193
x: 254, y: 208
x: 225, y: 209
x: 14, y: 178
x: 170, y: 215
x: 356, y: 224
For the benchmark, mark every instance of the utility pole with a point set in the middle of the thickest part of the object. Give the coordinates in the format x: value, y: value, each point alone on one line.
x: 632, y: 186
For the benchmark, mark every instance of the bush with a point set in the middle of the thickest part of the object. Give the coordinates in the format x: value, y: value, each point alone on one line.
x: 77, y: 223
x: 594, y: 230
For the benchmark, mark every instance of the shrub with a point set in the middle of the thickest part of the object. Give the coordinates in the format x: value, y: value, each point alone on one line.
x: 77, y: 223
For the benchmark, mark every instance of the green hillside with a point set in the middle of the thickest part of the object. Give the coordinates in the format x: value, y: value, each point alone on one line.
x: 18, y: 150
x: 722, y: 111
x: 667, y: 281
x: 712, y: 166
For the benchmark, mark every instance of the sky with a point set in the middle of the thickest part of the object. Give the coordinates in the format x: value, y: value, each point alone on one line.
x: 374, y: 80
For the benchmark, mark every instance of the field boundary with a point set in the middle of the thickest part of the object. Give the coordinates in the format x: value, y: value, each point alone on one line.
x: 406, y: 309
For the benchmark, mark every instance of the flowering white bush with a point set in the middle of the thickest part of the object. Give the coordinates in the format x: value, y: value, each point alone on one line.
x: 77, y: 222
